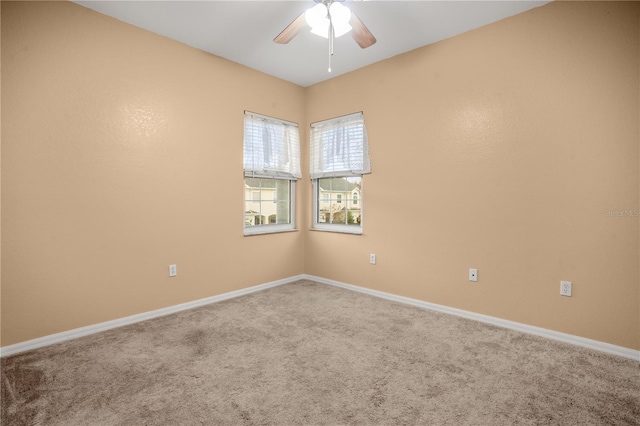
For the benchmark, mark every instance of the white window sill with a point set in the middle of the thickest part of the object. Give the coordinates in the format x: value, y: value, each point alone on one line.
x: 340, y: 229
x: 266, y: 229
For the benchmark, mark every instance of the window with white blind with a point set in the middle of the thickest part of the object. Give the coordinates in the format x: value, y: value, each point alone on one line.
x: 271, y: 167
x: 339, y: 157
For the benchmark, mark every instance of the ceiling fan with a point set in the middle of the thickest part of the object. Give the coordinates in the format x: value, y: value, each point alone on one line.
x: 329, y: 19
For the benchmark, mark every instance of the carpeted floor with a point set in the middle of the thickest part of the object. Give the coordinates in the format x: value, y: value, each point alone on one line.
x: 312, y: 354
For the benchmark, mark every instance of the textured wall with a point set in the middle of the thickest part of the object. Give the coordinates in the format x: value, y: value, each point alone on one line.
x: 502, y: 149
x: 122, y: 153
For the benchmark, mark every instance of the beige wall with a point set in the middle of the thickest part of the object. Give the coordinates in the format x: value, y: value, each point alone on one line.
x: 118, y: 145
x: 120, y: 150
x: 513, y: 141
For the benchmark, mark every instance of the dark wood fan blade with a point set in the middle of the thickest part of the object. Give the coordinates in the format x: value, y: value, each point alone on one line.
x: 291, y: 30
x: 360, y: 32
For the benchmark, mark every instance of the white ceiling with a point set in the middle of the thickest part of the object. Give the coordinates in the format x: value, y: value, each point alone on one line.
x: 243, y: 31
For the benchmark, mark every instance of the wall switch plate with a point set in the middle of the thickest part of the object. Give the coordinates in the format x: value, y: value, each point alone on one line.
x: 565, y: 288
x: 473, y: 274
x: 173, y: 270
x: 372, y: 259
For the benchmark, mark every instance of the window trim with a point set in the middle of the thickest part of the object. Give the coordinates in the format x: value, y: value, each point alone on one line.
x: 273, y: 228
x: 334, y: 227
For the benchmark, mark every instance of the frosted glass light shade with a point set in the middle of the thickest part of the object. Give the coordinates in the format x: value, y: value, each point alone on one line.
x: 318, y: 19
x: 317, y: 16
x: 321, y: 30
x: 340, y: 16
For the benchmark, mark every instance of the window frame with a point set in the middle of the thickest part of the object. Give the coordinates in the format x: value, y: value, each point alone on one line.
x: 339, y: 148
x: 277, y: 159
x: 337, y: 227
x: 272, y: 228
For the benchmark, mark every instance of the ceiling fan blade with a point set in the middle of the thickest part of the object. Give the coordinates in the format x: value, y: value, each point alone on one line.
x: 291, y: 30
x: 360, y: 32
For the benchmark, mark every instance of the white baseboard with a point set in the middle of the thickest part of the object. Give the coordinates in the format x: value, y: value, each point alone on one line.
x: 550, y: 334
x: 96, y: 328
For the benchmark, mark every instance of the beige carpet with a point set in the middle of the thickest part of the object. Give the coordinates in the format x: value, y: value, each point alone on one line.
x: 307, y: 353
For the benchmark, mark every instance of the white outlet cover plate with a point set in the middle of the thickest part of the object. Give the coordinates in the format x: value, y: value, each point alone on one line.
x: 473, y: 274
x: 565, y: 288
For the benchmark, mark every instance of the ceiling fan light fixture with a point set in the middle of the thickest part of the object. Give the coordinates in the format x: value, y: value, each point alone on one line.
x: 340, y: 30
x: 340, y: 16
x: 317, y: 18
x: 321, y: 30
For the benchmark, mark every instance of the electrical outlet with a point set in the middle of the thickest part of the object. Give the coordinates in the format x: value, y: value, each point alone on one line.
x: 565, y: 288
x: 173, y: 270
x: 473, y: 274
x: 372, y: 259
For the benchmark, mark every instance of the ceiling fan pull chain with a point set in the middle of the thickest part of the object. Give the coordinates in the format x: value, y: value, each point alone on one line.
x: 330, y: 41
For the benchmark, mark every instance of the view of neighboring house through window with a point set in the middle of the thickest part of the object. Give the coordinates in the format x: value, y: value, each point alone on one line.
x: 269, y: 202
x: 271, y: 167
x: 339, y: 158
x: 333, y: 191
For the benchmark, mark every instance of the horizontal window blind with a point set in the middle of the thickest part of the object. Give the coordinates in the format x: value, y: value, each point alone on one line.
x: 271, y: 147
x: 339, y: 147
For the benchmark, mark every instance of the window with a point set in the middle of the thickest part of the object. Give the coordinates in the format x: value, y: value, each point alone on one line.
x: 271, y: 167
x: 271, y: 206
x: 331, y: 210
x: 339, y: 159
